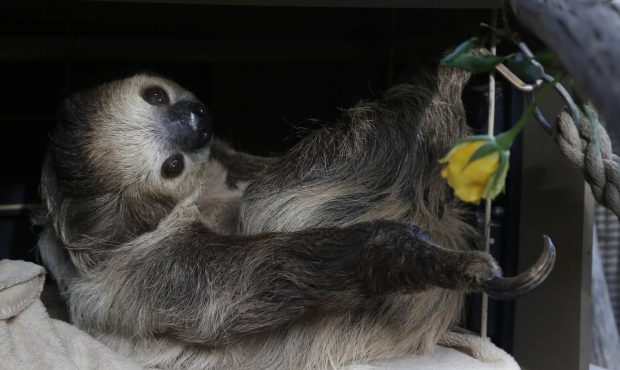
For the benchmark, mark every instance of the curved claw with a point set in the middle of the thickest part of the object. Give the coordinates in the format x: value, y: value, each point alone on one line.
x: 511, y: 287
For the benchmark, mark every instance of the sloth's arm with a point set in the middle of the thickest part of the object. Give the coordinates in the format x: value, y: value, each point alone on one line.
x: 212, y: 289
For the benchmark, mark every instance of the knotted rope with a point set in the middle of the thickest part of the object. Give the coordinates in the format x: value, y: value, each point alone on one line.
x: 588, y: 147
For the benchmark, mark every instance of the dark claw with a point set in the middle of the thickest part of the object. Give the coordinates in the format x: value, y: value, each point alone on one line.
x: 511, y: 287
x: 420, y: 233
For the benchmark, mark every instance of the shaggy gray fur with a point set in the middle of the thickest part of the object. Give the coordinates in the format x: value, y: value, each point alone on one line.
x: 309, y: 260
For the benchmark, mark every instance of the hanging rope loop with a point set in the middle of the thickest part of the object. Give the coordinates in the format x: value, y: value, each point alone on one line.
x: 588, y: 147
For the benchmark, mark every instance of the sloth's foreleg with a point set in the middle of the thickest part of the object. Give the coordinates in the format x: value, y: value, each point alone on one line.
x: 209, y: 289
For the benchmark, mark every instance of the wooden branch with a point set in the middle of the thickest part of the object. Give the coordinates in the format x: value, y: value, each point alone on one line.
x: 585, y: 35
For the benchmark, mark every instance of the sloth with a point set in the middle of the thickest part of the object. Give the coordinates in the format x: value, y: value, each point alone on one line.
x: 178, y: 251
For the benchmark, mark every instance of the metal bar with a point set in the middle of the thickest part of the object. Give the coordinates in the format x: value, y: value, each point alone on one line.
x: 181, y: 50
x: 484, y: 320
x: 437, y: 4
x: 17, y: 207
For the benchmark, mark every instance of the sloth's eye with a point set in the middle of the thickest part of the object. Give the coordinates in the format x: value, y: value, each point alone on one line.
x: 172, y: 166
x: 155, y: 95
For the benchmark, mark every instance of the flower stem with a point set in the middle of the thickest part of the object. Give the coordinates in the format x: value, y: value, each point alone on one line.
x: 505, y: 139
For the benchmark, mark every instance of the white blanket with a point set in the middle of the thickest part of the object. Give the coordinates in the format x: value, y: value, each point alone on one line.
x: 30, y: 339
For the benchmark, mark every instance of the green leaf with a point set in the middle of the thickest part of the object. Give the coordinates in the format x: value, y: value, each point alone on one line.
x: 464, y: 47
x: 483, y: 151
x: 592, y: 119
x: 526, y: 69
x: 476, y: 63
x: 497, y: 182
x: 548, y: 58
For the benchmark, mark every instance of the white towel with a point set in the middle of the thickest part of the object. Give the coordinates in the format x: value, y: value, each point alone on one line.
x: 465, y: 352
x: 29, y: 339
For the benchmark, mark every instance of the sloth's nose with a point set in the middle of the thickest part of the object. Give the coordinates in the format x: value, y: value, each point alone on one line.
x: 189, y: 124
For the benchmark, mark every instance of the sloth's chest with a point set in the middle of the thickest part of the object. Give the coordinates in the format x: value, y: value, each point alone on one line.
x: 220, y: 214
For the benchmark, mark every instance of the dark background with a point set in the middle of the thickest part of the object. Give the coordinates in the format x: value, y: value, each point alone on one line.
x: 267, y: 73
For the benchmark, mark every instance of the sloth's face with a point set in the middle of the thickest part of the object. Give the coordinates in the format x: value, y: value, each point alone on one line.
x: 122, y: 156
x: 141, y: 131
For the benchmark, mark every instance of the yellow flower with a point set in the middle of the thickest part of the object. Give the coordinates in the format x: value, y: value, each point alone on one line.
x: 481, y: 178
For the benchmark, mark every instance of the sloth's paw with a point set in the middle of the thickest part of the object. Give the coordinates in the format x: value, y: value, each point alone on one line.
x: 480, y: 267
x: 401, y: 257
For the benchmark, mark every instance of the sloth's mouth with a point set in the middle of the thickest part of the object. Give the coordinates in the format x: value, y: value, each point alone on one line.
x: 202, y: 144
x: 203, y: 139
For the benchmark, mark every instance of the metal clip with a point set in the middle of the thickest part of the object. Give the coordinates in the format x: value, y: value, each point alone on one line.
x: 511, y: 77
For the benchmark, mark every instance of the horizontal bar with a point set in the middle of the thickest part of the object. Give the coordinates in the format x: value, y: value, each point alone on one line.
x: 141, y: 49
x: 18, y: 207
x: 436, y: 4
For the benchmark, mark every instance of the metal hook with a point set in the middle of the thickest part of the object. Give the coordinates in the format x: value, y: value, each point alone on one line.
x: 530, y: 89
x: 572, y: 107
x: 570, y: 103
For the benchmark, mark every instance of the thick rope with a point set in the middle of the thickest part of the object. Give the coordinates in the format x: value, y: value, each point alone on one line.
x: 587, y: 146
